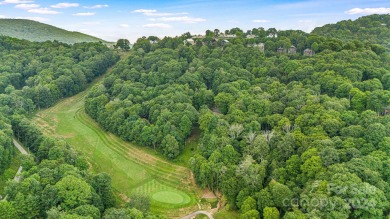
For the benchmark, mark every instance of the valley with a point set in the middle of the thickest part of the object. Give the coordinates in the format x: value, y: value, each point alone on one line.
x: 224, y: 124
x: 132, y: 168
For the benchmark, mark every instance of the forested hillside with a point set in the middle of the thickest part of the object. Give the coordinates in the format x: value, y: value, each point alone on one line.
x: 374, y: 29
x: 40, y: 32
x: 55, y: 181
x: 35, y: 75
x: 283, y: 134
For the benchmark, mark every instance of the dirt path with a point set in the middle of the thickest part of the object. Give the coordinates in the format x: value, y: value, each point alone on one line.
x: 21, y: 149
x: 17, y: 175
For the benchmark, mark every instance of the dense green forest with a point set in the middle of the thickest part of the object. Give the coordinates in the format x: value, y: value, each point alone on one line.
x: 283, y: 134
x: 35, y: 75
x: 374, y: 29
x: 40, y: 32
x: 297, y: 130
x: 55, y: 181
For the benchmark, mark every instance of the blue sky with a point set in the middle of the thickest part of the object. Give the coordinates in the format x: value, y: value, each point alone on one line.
x: 110, y: 20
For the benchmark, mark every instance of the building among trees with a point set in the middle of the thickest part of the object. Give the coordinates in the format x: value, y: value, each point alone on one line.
x: 281, y: 50
x: 260, y: 46
x: 189, y: 42
x: 292, y: 50
x: 308, y: 52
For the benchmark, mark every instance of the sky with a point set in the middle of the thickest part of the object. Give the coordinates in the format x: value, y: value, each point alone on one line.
x: 112, y: 19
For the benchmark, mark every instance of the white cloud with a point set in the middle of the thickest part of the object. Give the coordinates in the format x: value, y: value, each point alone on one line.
x: 124, y: 25
x: 65, y: 5
x: 157, y: 25
x: 84, y: 14
x: 40, y: 19
x: 184, y: 19
x: 96, y: 6
x: 261, y: 21
x: 368, y: 11
x: 43, y: 11
x: 145, y: 11
x: 155, y: 14
x: 166, y: 17
x: 26, y: 6
x: 15, y: 2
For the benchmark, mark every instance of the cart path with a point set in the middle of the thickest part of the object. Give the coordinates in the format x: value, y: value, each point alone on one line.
x: 192, y: 215
x: 20, y: 148
x: 23, y: 151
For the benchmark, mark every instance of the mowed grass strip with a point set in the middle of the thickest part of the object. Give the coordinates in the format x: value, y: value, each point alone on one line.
x: 131, y: 167
x: 161, y: 170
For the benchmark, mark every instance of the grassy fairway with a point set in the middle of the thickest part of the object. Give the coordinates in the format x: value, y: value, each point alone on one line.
x: 132, y: 168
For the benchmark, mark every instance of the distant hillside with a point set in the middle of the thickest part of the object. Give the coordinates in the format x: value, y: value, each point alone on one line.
x: 39, y: 32
x: 373, y: 29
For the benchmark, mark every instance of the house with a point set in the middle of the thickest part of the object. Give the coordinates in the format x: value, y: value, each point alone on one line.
x: 198, y: 37
x: 227, y: 36
x: 211, y: 42
x: 387, y: 110
x: 259, y: 46
x: 189, y: 42
x: 308, y: 52
x: 272, y: 35
x: 224, y: 42
x: 153, y: 42
x: 292, y: 50
x: 281, y: 50
x: 250, y: 36
x: 230, y: 36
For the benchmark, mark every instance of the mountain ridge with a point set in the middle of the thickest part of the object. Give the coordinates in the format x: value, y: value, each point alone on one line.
x: 40, y: 32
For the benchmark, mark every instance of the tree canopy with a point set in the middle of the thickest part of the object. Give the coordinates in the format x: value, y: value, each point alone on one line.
x: 280, y: 131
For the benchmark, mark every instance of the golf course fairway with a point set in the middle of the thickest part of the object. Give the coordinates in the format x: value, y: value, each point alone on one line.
x: 171, y: 187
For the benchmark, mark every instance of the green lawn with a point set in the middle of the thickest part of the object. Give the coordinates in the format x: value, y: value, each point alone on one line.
x: 9, y: 173
x: 190, y: 149
x: 132, y: 168
x: 226, y: 214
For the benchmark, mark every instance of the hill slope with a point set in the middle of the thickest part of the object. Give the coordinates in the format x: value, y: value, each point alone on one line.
x: 374, y: 29
x: 39, y: 32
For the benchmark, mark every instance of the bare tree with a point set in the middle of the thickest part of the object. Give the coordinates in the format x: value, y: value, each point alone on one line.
x: 235, y: 130
x: 268, y: 135
x: 250, y: 138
